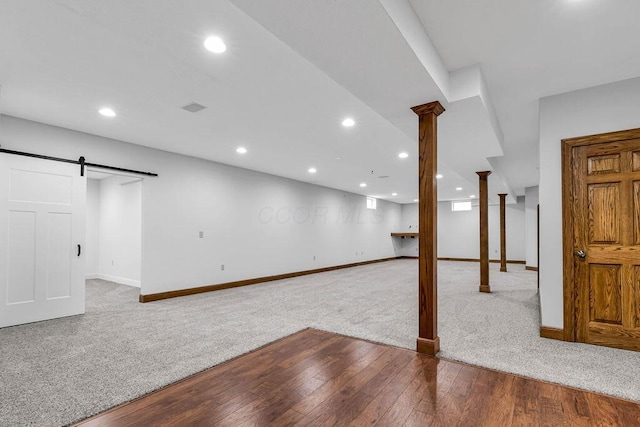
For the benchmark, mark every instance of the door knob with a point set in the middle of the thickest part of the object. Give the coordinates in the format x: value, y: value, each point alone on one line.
x: 581, y: 254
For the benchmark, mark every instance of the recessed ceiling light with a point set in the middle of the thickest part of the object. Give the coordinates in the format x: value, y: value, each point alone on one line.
x: 348, y: 122
x: 215, y: 44
x: 438, y: 176
x: 313, y: 170
x: 458, y: 188
x: 338, y: 158
x: 363, y: 184
x: 394, y: 194
x: 107, y: 112
x: 241, y: 150
x: 415, y: 200
x: 473, y: 196
x: 403, y: 155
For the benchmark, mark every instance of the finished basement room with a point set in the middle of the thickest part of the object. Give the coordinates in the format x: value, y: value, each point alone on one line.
x: 373, y: 212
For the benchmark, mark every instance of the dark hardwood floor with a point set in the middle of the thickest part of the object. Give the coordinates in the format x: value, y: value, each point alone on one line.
x: 319, y: 378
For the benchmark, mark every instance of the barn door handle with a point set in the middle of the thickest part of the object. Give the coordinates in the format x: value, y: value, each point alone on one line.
x: 79, y: 250
x: 581, y: 254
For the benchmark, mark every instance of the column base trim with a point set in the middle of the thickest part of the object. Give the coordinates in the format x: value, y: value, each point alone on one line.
x: 485, y: 288
x: 427, y: 346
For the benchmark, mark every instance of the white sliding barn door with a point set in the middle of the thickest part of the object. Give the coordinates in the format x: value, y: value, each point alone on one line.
x: 42, y: 208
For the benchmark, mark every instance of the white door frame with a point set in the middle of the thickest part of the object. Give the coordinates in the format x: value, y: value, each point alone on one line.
x: 141, y: 178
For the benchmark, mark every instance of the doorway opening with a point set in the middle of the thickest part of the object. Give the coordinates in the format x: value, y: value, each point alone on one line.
x: 114, y: 227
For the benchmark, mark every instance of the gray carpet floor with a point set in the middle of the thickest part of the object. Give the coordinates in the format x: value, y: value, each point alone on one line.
x: 60, y: 371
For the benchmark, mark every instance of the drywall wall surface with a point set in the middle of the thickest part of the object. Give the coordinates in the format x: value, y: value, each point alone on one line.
x: 120, y: 230
x: 514, y: 228
x: 408, y: 223
x: 531, y: 225
x: 459, y: 232
x: 92, y: 245
x: 600, y: 109
x: 409, y: 217
x: 252, y: 224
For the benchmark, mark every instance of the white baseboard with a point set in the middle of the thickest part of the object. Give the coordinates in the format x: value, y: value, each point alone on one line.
x: 115, y: 279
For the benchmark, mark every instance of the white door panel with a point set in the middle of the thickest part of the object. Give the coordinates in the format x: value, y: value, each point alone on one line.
x: 42, y: 187
x: 42, y: 206
x: 21, y: 266
x: 59, y: 255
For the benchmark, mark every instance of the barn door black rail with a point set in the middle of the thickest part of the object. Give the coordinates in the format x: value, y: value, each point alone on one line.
x: 81, y: 161
x: 38, y: 156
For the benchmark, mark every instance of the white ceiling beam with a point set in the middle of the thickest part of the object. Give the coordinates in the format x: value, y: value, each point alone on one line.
x: 458, y: 85
x: 469, y: 82
x: 405, y: 18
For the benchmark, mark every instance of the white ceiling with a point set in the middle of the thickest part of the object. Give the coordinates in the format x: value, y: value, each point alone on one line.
x: 294, y: 70
x: 530, y: 49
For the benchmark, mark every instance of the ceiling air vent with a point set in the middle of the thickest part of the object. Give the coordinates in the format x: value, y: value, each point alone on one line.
x: 194, y: 107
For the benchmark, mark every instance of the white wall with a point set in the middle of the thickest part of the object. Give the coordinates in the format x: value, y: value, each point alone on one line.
x: 514, y: 228
x: 409, y: 217
x: 531, y: 225
x: 590, y: 111
x: 91, y: 248
x: 459, y: 232
x: 255, y: 224
x: 408, y: 223
x: 120, y: 230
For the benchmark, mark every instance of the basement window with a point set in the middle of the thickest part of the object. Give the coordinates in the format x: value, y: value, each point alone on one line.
x: 371, y: 203
x: 460, y: 206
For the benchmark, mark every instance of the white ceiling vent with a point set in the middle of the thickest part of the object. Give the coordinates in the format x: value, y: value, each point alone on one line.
x: 194, y: 107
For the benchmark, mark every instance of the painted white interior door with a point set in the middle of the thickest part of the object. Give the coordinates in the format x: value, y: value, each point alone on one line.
x: 42, y: 208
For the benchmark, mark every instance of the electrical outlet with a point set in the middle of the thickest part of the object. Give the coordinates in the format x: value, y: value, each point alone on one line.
x: 111, y: 262
x: 314, y: 257
x: 221, y: 267
x: 201, y: 234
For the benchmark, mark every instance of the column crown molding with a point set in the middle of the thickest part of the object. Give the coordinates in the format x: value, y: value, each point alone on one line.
x: 430, y: 108
x: 483, y: 173
x: 503, y: 194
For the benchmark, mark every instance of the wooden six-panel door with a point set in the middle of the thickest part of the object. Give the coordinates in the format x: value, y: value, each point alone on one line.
x: 606, y: 234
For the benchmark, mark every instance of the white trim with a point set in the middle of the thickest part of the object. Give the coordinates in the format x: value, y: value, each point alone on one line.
x: 115, y: 279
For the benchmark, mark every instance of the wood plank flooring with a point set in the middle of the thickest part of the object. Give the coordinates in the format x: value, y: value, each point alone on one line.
x: 319, y: 378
